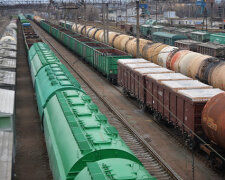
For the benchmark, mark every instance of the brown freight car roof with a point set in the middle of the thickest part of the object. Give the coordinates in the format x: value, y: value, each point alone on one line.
x: 200, y: 94
x: 142, y: 65
x: 152, y: 70
x: 168, y: 76
x: 185, y: 84
x: 129, y: 61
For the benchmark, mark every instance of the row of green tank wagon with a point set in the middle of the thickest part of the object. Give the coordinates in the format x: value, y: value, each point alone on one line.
x: 205, y: 68
x: 176, y: 98
x: 8, y: 55
x: 81, y: 143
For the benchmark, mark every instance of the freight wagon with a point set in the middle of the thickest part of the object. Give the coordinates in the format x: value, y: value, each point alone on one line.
x: 200, y: 36
x: 217, y: 38
x: 175, y: 99
x: 212, y: 49
x: 23, y: 20
x: 187, y: 44
x: 30, y: 36
x: 145, y: 30
x: 184, y: 32
x: 167, y: 38
x: 8, y: 44
x: 157, y: 28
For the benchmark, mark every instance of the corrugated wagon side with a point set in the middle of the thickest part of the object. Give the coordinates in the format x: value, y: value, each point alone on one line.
x: 89, y: 48
x: 105, y: 61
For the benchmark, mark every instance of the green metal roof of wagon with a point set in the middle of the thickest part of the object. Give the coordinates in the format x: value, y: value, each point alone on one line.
x: 200, y: 33
x: 87, y: 134
x: 218, y: 34
x: 111, y: 169
x: 39, y: 56
x: 169, y: 35
x: 146, y: 25
x: 150, y: 22
x: 52, y: 78
x: 158, y: 26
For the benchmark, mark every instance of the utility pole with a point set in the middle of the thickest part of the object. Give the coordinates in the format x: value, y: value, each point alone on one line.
x: 223, y: 23
x: 103, y: 16
x: 107, y: 23
x: 126, y: 13
x: 156, y: 11
x: 137, y: 28
x: 65, y: 19
x: 211, y: 13
x: 85, y: 19
x: 76, y: 19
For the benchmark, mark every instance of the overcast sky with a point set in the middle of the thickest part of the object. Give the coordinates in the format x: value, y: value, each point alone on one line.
x: 46, y: 1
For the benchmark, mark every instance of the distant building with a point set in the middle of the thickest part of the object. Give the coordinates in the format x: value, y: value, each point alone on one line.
x: 170, y: 14
x: 121, y: 13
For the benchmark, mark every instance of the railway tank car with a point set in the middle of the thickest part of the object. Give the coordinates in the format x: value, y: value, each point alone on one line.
x: 213, y: 121
x: 87, y: 137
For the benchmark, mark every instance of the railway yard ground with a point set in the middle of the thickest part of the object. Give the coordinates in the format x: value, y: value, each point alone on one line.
x: 31, y: 160
x: 113, y: 104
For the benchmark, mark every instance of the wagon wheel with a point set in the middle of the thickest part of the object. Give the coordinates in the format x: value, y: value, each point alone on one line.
x: 213, y: 162
x: 141, y: 106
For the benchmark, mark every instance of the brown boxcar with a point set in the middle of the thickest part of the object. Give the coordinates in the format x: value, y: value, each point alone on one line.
x: 129, y: 71
x: 212, y: 49
x: 187, y: 44
x: 121, y: 64
x: 169, y: 97
x: 139, y: 81
x: 154, y: 91
x: 190, y: 104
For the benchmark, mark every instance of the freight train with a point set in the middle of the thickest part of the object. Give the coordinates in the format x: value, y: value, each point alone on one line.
x: 207, y: 43
x: 23, y: 20
x: 173, y: 97
x: 207, y: 69
x: 170, y: 35
x: 8, y: 55
x: 81, y: 143
x: 148, y: 29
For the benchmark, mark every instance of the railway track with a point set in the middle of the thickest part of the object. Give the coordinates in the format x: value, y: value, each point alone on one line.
x: 150, y: 159
x: 31, y: 161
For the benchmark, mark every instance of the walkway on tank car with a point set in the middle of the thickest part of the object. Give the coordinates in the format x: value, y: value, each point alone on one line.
x: 31, y: 160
